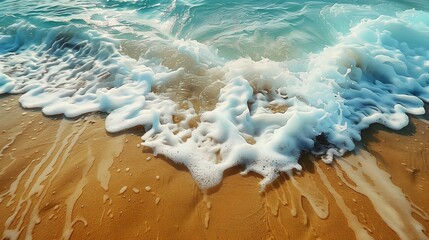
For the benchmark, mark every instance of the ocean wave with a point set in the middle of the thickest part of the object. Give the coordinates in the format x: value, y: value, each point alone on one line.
x: 266, y: 112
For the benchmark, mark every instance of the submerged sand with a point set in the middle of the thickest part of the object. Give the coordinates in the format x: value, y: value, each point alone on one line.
x: 70, y: 179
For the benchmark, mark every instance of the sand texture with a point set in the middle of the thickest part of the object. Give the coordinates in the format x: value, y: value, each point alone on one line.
x: 70, y: 179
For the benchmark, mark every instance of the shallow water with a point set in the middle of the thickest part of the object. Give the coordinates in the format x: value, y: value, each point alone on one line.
x: 218, y: 84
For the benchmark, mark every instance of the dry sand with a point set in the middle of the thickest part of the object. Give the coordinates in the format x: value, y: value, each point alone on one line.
x: 68, y: 178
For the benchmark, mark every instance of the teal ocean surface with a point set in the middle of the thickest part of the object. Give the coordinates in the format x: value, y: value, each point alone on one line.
x: 223, y: 83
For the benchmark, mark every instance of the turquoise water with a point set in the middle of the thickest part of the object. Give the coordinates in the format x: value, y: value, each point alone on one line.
x: 264, y: 80
x: 277, y: 30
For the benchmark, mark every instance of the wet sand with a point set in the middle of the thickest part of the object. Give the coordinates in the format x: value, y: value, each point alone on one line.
x: 68, y: 178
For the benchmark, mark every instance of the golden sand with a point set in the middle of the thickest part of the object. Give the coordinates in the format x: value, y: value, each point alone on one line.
x: 68, y: 178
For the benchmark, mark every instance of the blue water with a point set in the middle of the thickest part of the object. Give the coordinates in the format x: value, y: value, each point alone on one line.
x: 254, y: 83
x: 277, y: 30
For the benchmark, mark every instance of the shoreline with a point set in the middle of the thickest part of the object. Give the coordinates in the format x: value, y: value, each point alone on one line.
x: 69, y: 178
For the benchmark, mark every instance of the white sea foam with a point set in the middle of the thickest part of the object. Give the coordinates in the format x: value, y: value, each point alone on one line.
x: 377, y: 73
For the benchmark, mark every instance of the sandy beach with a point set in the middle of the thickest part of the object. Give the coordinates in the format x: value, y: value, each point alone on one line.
x: 70, y: 179
x: 125, y: 119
